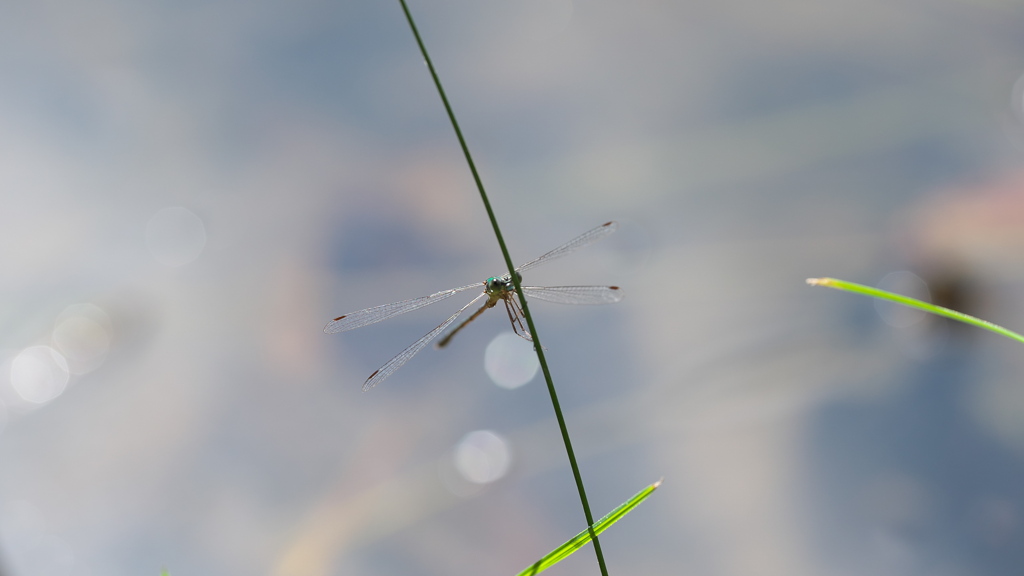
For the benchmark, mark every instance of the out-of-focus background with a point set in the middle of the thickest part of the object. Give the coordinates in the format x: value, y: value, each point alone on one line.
x: 190, y: 191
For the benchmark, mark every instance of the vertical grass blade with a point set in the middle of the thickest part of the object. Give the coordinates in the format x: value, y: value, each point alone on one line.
x: 914, y: 303
x: 580, y: 540
x: 519, y: 291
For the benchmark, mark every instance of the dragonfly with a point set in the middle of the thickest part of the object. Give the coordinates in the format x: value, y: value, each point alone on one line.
x: 495, y: 289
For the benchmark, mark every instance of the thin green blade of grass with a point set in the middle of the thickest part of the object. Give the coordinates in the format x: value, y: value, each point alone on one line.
x: 914, y: 303
x: 538, y: 348
x: 580, y: 540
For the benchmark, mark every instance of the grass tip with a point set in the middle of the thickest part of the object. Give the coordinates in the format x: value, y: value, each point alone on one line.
x: 819, y: 281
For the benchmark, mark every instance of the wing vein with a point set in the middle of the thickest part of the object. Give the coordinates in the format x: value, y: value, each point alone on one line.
x: 575, y: 294
x: 581, y: 241
x: 376, y: 314
x: 405, y: 355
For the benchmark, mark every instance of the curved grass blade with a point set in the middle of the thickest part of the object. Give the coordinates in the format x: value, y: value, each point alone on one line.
x: 914, y: 303
x: 580, y: 540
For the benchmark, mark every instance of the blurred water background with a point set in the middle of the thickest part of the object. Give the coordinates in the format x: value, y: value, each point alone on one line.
x: 189, y: 191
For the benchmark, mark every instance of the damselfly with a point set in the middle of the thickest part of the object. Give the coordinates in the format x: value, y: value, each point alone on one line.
x: 497, y: 288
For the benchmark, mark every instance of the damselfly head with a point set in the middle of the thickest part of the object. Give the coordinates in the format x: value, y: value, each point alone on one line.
x: 499, y: 284
x: 496, y: 285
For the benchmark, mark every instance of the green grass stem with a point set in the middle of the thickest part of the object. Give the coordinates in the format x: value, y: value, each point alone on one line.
x: 519, y: 291
x: 914, y: 303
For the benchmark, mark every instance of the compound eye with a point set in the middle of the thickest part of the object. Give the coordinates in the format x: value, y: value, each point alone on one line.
x: 492, y: 284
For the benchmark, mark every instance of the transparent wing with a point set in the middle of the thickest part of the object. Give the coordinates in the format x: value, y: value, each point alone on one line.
x: 575, y: 294
x: 585, y: 239
x: 385, y: 311
x: 404, y: 356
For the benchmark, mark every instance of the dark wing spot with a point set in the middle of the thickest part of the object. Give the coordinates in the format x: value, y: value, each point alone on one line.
x: 612, y: 287
x: 367, y: 385
x: 609, y: 223
x: 339, y: 318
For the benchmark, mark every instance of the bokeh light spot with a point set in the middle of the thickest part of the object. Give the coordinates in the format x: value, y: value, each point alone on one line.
x: 510, y: 361
x: 175, y: 236
x: 482, y: 457
x: 906, y: 284
x: 39, y: 374
x: 82, y: 334
x: 29, y: 547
